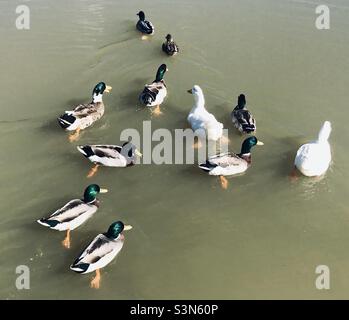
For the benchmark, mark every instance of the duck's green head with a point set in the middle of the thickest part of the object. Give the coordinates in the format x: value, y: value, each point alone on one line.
x: 116, y: 228
x: 249, y: 143
x: 161, y: 72
x: 241, y: 101
x: 92, y: 191
x: 141, y: 15
x: 100, y: 88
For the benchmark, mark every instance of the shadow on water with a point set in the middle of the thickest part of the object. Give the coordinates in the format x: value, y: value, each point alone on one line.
x: 285, y: 160
x: 131, y: 97
x: 52, y: 126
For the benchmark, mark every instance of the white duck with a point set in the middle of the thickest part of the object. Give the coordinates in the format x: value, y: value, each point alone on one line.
x: 200, y: 118
x: 314, y: 158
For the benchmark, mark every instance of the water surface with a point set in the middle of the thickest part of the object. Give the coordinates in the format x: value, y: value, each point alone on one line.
x: 264, y: 236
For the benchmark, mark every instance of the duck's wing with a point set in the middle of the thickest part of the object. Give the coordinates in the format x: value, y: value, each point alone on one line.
x: 244, y: 120
x: 82, y: 114
x: 100, y: 247
x: 151, y: 93
x: 72, y: 210
x: 145, y: 27
x: 109, y: 151
x: 226, y: 160
x: 84, y: 110
x: 170, y: 47
x: 225, y: 164
x: 108, y: 155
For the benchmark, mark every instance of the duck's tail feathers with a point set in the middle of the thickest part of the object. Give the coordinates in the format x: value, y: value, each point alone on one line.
x: 325, y: 131
x: 66, y: 120
x: 249, y: 128
x: 86, y: 150
x: 48, y: 223
x: 207, y: 166
x: 79, y: 268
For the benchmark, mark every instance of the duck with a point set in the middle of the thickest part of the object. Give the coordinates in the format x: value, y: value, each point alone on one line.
x: 155, y: 93
x: 101, y: 251
x: 242, y: 118
x: 110, y: 155
x: 201, y: 121
x: 229, y: 164
x: 170, y: 47
x: 84, y: 115
x: 74, y: 213
x: 144, y: 26
x: 314, y: 158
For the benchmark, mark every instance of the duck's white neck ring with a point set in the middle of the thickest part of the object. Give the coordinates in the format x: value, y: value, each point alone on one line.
x: 97, y: 98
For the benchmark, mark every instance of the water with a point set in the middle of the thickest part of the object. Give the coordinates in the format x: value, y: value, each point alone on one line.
x: 264, y: 236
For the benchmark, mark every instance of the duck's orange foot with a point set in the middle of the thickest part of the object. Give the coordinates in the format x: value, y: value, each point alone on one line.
x: 75, y: 136
x: 66, y: 241
x: 157, y: 112
x: 93, y: 171
x: 96, y: 281
x: 224, y: 182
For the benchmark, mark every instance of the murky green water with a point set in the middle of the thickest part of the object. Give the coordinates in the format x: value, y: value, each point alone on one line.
x: 264, y: 236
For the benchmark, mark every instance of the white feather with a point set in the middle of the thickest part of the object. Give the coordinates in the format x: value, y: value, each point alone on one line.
x: 200, y: 118
x: 314, y: 158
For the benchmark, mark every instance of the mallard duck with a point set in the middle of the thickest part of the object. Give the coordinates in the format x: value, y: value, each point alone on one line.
x: 228, y: 164
x: 100, y: 252
x: 144, y: 26
x: 110, y: 155
x: 170, y: 47
x: 155, y: 93
x: 74, y: 213
x: 201, y: 121
x: 242, y: 118
x: 314, y: 158
x: 84, y: 115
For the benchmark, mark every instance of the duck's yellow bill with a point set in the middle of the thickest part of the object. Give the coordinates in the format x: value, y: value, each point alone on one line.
x: 103, y: 190
x: 138, y: 153
x: 260, y: 143
x: 127, y: 227
x: 108, y: 89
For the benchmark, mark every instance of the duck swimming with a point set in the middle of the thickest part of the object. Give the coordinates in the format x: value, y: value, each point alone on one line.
x: 100, y: 252
x: 203, y: 121
x: 84, y: 115
x: 230, y: 163
x: 144, y: 26
x: 154, y: 94
x: 74, y: 213
x: 170, y: 47
x: 314, y: 158
x: 242, y: 118
x: 110, y: 155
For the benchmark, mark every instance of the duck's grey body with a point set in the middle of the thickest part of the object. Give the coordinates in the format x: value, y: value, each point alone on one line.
x: 153, y: 94
x: 100, y: 252
x: 242, y: 118
x: 109, y: 155
x: 226, y: 164
x: 71, y: 216
x: 83, y: 116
